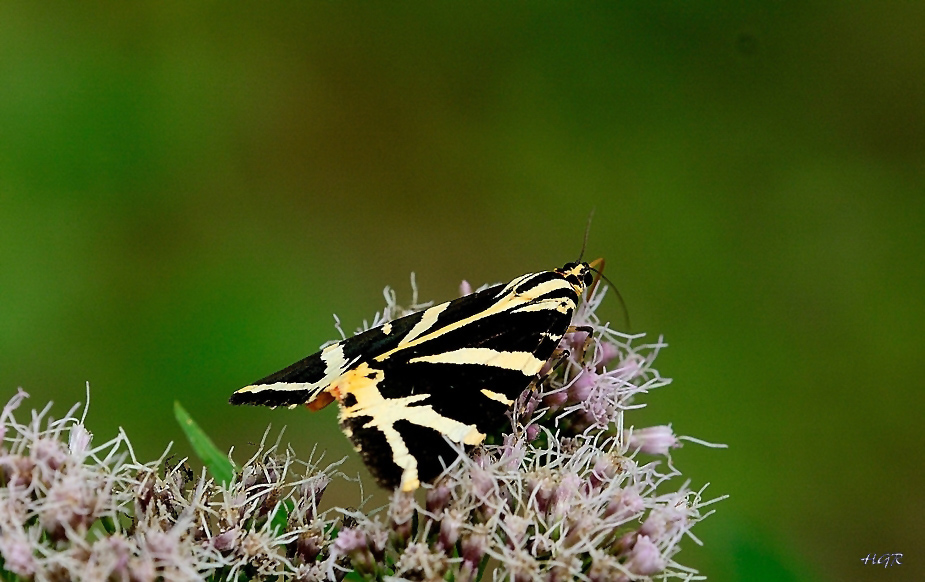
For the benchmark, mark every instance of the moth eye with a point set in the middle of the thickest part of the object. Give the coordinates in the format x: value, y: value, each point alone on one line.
x: 588, y: 278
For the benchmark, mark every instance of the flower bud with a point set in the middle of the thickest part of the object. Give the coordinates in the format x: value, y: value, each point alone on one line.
x: 79, y: 440
x: 645, y: 558
x: 608, y: 352
x: 515, y: 529
x: 663, y: 520
x: 49, y: 457
x: 512, y: 452
x: 632, y: 366
x: 562, y: 497
x: 438, y: 497
x: 653, y: 440
x: 625, y: 504
x: 604, y: 568
x: 313, y: 489
x: 17, y: 552
x: 351, y: 542
x: 72, y: 503
x: 541, y: 488
x: 307, y: 546
x: 576, y: 340
x: 420, y: 562
x: 474, y: 546
x: 579, y: 528
x: 582, y: 387
x: 16, y: 470
x: 449, y: 529
x: 604, y: 470
x: 401, y: 514
x: 531, y: 401
x: 226, y: 540
x: 555, y: 400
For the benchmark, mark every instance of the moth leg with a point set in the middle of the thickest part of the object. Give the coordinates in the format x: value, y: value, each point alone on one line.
x: 556, y: 360
x: 560, y: 355
x: 585, y: 344
x: 553, y: 363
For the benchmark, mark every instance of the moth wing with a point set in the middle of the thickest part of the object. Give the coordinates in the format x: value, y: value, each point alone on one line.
x: 306, y: 381
x: 456, y: 384
x: 474, y: 373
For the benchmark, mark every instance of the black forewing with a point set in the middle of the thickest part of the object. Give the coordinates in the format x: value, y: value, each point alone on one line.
x: 455, y: 390
x: 429, y: 447
x: 537, y: 332
x: 508, y: 331
x: 311, y: 369
x: 361, y: 347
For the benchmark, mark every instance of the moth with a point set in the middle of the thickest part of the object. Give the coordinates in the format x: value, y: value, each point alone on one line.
x: 448, y: 373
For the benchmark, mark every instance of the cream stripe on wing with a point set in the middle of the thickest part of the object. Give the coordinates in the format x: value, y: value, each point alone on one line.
x: 506, y: 302
x: 427, y: 321
x: 363, y: 383
x: 503, y: 304
x: 546, y: 287
x: 498, y: 397
x: 278, y: 386
x: 558, y: 304
x: 515, y: 283
x: 335, y: 364
x: 524, y: 362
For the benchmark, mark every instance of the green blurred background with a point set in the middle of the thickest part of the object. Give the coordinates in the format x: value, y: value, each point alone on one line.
x: 188, y: 192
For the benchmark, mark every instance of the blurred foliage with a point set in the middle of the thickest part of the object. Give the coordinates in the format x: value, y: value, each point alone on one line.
x: 189, y: 191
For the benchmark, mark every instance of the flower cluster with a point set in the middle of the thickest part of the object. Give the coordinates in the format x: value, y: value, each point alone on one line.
x: 73, y: 511
x: 566, y: 491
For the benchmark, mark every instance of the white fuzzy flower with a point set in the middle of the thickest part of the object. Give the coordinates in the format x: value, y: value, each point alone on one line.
x: 563, y: 493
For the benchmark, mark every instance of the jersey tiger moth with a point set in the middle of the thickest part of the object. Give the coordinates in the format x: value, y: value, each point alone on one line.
x: 449, y: 372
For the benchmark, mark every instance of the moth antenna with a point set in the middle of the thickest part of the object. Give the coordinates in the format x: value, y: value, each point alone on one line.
x: 623, y: 307
x: 584, y: 243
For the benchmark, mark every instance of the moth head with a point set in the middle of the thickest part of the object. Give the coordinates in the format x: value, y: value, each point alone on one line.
x: 579, y: 275
x: 582, y: 276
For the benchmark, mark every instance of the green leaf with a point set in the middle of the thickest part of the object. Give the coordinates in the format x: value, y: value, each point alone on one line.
x: 5, y: 575
x: 280, y: 518
x: 108, y: 524
x: 482, y: 566
x: 217, y: 462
